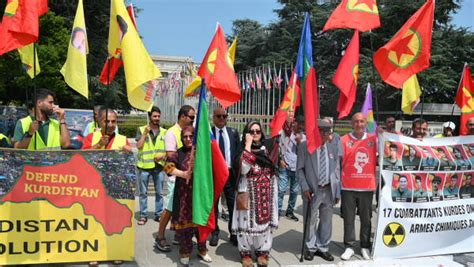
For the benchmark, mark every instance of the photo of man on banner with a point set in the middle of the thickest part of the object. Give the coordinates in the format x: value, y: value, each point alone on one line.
x: 392, y: 156
x: 411, y: 158
x: 451, y: 189
x: 446, y: 163
x: 420, y: 193
x: 401, y: 187
x: 466, y: 190
x: 429, y: 161
x: 435, y: 184
x: 460, y: 157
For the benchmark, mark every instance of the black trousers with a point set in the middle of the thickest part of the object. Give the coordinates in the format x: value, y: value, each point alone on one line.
x: 229, y: 193
x: 363, y: 201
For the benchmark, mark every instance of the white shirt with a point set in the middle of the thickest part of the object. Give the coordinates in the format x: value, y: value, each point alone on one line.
x: 225, y: 135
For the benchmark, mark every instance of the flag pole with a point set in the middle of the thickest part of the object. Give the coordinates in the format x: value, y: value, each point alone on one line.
x: 374, y: 92
x: 34, y: 91
x: 108, y: 92
x: 422, y: 102
x: 459, y: 85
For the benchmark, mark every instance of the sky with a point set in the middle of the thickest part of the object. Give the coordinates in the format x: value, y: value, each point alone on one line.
x: 186, y: 27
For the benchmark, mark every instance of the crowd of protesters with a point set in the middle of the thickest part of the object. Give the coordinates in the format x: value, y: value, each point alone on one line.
x: 261, y: 170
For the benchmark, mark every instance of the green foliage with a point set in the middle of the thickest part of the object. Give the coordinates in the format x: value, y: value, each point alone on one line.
x: 278, y: 42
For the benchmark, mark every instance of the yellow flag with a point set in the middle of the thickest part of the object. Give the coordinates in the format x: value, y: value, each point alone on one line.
x: 410, y: 95
x: 74, y: 69
x: 196, y: 83
x: 26, y: 56
x: 140, y: 71
x: 232, y: 50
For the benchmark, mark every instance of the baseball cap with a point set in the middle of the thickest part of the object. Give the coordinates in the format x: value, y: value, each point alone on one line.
x: 449, y: 124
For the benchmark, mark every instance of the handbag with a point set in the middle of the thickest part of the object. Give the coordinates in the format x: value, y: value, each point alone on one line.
x: 242, y: 201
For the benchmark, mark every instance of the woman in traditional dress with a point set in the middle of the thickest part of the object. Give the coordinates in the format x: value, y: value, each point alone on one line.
x: 181, y: 165
x: 256, y: 207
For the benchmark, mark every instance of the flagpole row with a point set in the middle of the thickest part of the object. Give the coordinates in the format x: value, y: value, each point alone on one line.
x: 422, y: 102
x: 34, y: 91
x: 374, y: 91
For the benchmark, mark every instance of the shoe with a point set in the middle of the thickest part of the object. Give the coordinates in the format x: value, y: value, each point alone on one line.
x: 117, y: 262
x: 205, y: 257
x: 233, y: 240
x: 142, y: 221
x: 291, y: 216
x: 325, y: 255
x: 262, y: 261
x: 93, y: 263
x: 365, y: 253
x: 347, y: 254
x: 214, y: 240
x: 308, y: 255
x: 157, y: 218
x: 162, y: 245
x: 247, y: 262
x: 184, y: 261
x: 175, y: 240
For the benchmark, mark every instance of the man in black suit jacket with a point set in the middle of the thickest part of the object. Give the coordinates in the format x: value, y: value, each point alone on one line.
x: 229, y: 143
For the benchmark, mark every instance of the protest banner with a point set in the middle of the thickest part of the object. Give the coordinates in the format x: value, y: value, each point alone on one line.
x: 427, y: 203
x: 66, y: 206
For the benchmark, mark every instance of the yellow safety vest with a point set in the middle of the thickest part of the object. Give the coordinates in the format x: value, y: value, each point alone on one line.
x: 92, y: 126
x: 177, y: 133
x: 146, y: 155
x: 54, y: 135
x: 119, y: 140
x: 2, y: 136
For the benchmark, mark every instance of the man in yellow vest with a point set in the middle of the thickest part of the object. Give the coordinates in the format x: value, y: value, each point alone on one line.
x: 106, y: 138
x: 39, y: 131
x: 151, y: 155
x: 4, y: 141
x: 173, y: 142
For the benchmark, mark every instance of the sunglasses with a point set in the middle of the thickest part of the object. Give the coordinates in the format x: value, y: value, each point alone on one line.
x: 191, y: 117
x: 222, y: 116
x: 255, y: 132
x: 187, y: 136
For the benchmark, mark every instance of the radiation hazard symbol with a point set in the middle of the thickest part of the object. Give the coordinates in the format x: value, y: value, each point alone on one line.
x: 393, y: 235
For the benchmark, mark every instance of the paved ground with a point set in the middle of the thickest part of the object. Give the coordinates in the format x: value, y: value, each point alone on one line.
x: 286, y: 248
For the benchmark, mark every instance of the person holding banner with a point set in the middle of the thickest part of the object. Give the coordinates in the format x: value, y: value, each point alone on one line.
x: 40, y: 131
x: 319, y: 176
x: 181, y: 165
x: 419, y: 129
x: 151, y: 154
x: 94, y: 124
x: 358, y: 184
x: 106, y: 137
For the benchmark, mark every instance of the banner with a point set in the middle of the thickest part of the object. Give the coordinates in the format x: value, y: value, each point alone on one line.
x: 427, y: 203
x: 66, y: 206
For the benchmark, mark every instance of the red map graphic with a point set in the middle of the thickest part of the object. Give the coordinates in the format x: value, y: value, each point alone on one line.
x: 112, y: 215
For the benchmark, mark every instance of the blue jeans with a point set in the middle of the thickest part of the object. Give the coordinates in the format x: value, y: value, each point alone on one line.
x: 158, y: 178
x: 287, y: 177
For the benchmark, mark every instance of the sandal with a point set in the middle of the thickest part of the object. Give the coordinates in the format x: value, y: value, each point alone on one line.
x: 142, y: 221
x: 162, y: 245
x: 117, y: 262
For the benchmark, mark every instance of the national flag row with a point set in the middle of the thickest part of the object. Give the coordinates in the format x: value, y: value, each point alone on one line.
x: 20, y: 29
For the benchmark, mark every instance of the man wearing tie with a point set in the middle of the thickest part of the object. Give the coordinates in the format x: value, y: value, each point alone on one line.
x: 229, y: 144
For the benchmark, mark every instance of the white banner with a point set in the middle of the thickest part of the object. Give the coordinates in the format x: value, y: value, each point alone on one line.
x: 427, y: 203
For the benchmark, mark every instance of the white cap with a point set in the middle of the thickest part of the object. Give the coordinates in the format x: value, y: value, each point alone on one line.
x: 449, y: 124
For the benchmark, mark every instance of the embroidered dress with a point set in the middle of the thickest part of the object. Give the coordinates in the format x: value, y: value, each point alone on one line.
x: 254, y: 227
x: 182, y: 217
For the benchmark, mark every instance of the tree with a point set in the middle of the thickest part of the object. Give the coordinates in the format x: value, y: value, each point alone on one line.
x: 451, y: 47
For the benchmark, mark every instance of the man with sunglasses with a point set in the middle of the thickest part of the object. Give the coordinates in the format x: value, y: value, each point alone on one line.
x: 319, y: 176
x: 229, y: 144
x: 186, y: 116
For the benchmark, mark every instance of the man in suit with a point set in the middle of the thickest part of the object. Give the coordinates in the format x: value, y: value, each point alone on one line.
x: 319, y: 176
x: 229, y: 144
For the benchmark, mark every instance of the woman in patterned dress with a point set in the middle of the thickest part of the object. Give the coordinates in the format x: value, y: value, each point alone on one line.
x: 181, y: 164
x: 255, y: 225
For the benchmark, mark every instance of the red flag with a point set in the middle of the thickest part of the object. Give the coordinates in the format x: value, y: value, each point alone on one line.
x: 218, y: 71
x: 409, y: 50
x: 115, y: 62
x: 362, y: 15
x: 20, y: 24
x: 346, y: 77
x: 291, y: 100
x: 464, y: 98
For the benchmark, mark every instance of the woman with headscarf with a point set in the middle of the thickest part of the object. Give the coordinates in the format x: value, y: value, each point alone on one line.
x: 256, y: 207
x: 181, y: 165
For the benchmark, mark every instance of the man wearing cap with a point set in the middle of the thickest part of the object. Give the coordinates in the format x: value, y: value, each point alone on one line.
x: 319, y: 176
x: 448, y: 130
